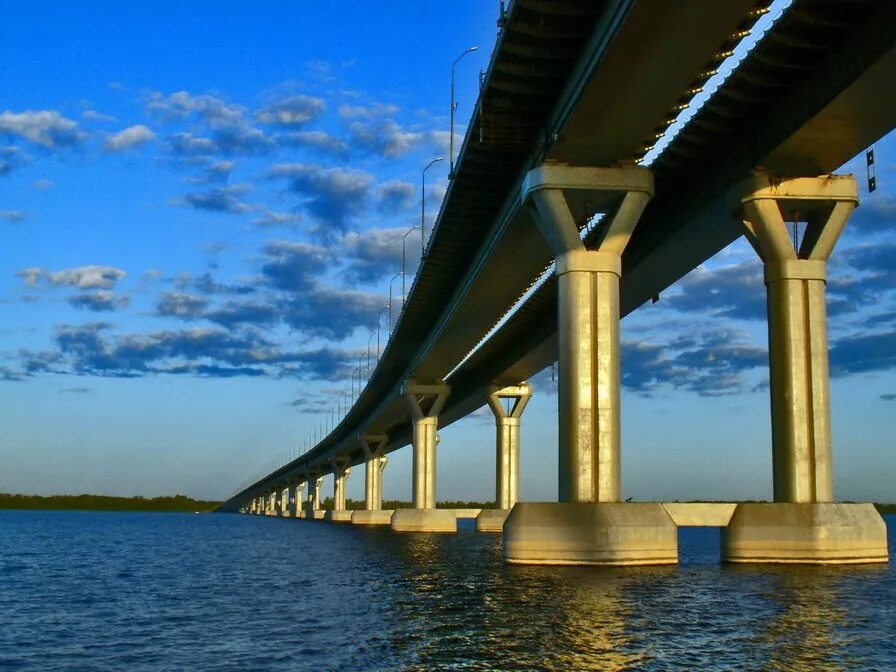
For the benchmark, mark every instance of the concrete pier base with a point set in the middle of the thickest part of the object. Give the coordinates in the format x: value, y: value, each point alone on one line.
x: 372, y: 517
x: 424, y: 520
x: 816, y: 534
x: 315, y: 515
x: 491, y: 520
x: 588, y: 533
x: 338, y: 516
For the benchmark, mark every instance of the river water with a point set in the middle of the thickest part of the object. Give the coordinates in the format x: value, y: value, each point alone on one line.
x: 132, y: 591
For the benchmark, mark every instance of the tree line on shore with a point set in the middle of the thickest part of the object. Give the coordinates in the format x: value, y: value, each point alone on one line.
x: 177, y: 503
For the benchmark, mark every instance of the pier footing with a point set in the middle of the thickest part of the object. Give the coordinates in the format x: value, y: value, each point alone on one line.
x: 424, y: 520
x: 372, y: 517
x: 491, y: 520
x: 587, y: 533
x: 821, y: 533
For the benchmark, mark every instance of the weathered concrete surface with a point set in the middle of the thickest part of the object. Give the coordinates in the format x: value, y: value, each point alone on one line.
x: 316, y: 515
x: 378, y: 517
x: 491, y: 520
x: 820, y: 533
x: 424, y: 520
x: 700, y: 514
x: 589, y: 533
x: 338, y: 516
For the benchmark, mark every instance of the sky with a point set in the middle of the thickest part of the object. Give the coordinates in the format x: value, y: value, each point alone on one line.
x: 201, y: 210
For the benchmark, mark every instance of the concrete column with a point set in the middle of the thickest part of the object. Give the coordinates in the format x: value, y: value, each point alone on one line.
x: 425, y: 402
x: 803, y: 525
x: 507, y: 444
x: 296, y: 494
x: 795, y: 278
x: 312, y: 510
x: 425, y: 439
x: 507, y: 454
x: 339, y: 513
x: 284, y: 501
x: 588, y: 319
x: 589, y: 525
x: 373, y: 514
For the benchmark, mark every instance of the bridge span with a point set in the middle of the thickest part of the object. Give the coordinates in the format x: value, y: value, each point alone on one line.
x: 551, y: 176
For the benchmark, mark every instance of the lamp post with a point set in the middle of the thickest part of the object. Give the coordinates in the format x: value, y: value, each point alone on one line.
x: 423, y: 205
x: 390, y: 301
x: 403, y: 246
x: 453, y: 107
x: 378, y: 320
x: 370, y: 338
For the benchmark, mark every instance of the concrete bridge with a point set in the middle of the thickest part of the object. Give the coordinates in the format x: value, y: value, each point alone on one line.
x: 550, y: 176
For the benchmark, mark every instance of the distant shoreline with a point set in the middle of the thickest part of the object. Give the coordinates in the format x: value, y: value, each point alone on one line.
x: 176, y: 504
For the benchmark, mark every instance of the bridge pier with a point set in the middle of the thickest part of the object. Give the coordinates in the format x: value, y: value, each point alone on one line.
x: 312, y: 505
x: 804, y: 524
x: 507, y: 454
x: 425, y: 402
x: 298, y: 496
x: 589, y: 525
x: 339, y: 514
x: 373, y: 483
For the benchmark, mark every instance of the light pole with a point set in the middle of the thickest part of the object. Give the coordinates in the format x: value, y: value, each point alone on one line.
x: 390, y: 301
x: 370, y: 338
x: 378, y: 320
x: 403, y: 246
x: 453, y: 107
x: 423, y: 205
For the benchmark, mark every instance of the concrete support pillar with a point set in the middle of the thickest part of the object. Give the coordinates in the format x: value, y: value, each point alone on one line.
x: 589, y: 525
x: 507, y: 453
x: 803, y: 525
x: 339, y: 513
x: 284, y: 501
x: 312, y: 504
x: 297, y: 493
x: 373, y: 470
x: 425, y: 402
x: 374, y: 446
x: 507, y: 444
x: 426, y: 424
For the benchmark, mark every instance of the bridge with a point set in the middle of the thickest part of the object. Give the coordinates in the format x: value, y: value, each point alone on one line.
x: 554, y: 228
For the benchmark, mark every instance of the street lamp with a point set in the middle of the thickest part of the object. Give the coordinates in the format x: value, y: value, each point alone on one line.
x: 403, y: 246
x: 423, y: 205
x: 370, y: 338
x: 453, y: 107
x: 378, y: 320
x: 390, y: 301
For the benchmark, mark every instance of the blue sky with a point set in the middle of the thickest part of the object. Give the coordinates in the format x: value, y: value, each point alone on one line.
x: 200, y: 212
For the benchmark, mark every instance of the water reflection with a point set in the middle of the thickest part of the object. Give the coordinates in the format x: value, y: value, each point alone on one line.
x: 810, y: 625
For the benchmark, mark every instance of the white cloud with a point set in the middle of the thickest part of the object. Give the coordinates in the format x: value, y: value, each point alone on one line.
x: 131, y: 137
x: 83, y: 277
x: 46, y: 128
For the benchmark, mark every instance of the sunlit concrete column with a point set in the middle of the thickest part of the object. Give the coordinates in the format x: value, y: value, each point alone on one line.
x: 339, y: 514
x: 301, y: 510
x: 284, y: 501
x: 374, y: 446
x: 425, y: 403
x: 803, y: 525
x: 296, y: 492
x: 271, y: 503
x: 507, y: 453
x: 588, y: 525
x: 312, y: 505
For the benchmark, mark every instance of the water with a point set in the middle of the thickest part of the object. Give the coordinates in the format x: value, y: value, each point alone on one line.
x: 130, y: 591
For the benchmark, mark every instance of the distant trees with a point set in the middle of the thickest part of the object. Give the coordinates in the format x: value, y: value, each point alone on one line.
x: 178, y: 503
x: 356, y: 505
